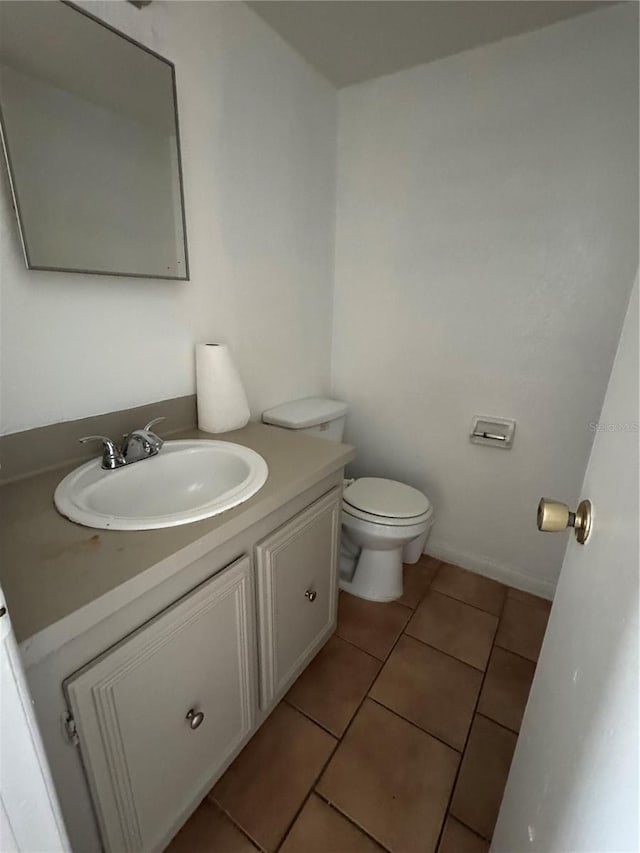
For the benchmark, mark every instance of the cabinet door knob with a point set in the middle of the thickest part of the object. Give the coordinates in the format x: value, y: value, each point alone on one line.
x: 311, y: 594
x: 195, y: 718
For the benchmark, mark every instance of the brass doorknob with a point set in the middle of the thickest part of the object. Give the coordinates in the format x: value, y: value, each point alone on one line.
x: 554, y: 515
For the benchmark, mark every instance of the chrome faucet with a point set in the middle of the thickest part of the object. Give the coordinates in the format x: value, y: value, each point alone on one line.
x: 141, y: 443
x: 138, y: 444
x: 111, y: 456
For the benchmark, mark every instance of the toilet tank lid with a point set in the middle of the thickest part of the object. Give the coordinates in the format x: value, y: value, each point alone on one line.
x: 308, y: 412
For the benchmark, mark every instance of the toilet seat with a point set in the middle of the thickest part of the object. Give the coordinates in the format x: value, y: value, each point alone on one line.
x: 388, y: 502
x: 387, y: 521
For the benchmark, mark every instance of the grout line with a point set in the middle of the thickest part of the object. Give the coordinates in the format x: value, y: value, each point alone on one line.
x: 309, y: 717
x: 423, y: 594
x: 484, y: 713
x: 412, y: 611
x: 517, y: 654
x: 497, y: 645
x: 427, y: 587
x: 496, y: 722
x: 216, y: 805
x: 350, y: 820
x: 344, y: 734
x: 416, y: 726
x: 212, y: 801
x: 474, y: 606
x: 539, y: 600
x: 346, y: 731
x: 344, y: 640
x: 470, y: 828
x: 295, y: 817
x: 381, y: 661
x: 483, y: 672
x: 448, y: 654
x: 340, y: 740
x: 466, y: 743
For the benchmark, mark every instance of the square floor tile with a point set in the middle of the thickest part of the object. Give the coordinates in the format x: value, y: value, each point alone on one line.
x: 483, y: 775
x: 334, y: 684
x: 209, y: 831
x: 321, y: 829
x: 372, y: 626
x: 457, y: 838
x: 506, y: 688
x: 455, y: 628
x: 470, y: 587
x: 392, y: 779
x: 416, y: 579
x: 528, y: 598
x: 522, y: 628
x: 429, y: 688
x: 268, y: 782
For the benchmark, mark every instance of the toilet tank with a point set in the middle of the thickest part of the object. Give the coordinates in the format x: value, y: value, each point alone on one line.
x: 317, y: 416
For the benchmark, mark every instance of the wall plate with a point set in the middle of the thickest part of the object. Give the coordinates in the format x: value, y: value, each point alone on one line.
x: 493, y: 432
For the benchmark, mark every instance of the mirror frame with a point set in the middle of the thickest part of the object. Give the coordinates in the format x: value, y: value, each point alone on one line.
x: 14, y: 191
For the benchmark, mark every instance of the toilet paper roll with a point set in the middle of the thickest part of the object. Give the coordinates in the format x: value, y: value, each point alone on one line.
x: 222, y: 402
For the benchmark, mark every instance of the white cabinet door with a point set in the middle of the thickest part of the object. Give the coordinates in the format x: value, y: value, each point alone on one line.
x: 297, y: 592
x: 160, y: 714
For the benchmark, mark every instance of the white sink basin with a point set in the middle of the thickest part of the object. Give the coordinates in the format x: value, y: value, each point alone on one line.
x: 187, y: 481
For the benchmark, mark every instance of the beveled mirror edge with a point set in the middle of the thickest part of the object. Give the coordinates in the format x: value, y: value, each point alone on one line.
x: 14, y: 192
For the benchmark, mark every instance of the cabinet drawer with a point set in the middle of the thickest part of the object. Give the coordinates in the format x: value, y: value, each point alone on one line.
x: 297, y: 590
x: 147, y: 762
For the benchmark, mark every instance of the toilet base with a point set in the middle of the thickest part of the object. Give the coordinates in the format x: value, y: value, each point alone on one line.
x: 378, y: 575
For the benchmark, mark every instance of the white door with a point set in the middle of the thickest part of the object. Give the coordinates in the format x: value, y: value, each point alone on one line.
x: 573, y: 785
x: 30, y: 818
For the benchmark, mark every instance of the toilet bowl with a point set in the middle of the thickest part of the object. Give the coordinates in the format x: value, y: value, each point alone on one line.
x: 384, y: 523
x: 381, y: 520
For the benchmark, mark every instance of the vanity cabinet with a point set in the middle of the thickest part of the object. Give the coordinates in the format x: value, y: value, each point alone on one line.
x: 296, y: 569
x: 162, y: 711
x: 130, y: 631
x: 160, y: 715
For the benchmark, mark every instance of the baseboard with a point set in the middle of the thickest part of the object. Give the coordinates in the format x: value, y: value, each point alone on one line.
x: 485, y: 566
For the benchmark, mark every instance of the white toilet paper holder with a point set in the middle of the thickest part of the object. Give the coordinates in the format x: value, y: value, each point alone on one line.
x: 493, y: 432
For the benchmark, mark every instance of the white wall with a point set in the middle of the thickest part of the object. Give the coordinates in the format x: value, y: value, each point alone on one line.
x: 258, y: 149
x: 486, y: 247
x: 573, y: 783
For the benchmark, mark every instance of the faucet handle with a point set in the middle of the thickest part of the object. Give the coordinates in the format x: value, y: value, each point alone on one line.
x: 103, y: 438
x: 111, y: 457
x: 153, y: 423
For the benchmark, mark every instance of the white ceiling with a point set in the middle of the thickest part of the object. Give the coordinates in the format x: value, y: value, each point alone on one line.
x: 353, y: 40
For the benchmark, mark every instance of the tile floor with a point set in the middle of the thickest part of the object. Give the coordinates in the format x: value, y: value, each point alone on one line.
x: 397, y: 737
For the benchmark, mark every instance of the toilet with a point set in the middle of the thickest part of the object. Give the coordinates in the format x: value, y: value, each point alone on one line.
x: 384, y: 523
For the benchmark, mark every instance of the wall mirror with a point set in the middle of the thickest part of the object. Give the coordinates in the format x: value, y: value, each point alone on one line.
x: 90, y: 134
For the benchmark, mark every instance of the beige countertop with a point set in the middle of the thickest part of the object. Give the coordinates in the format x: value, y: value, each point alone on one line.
x: 51, y: 567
